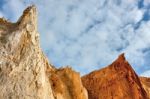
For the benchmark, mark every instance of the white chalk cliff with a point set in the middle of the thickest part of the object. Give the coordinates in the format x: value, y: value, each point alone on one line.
x: 24, y: 70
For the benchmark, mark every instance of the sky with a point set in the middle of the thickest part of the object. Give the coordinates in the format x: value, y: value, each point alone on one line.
x: 90, y: 34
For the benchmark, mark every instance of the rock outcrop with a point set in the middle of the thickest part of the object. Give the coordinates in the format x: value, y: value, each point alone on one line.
x: 117, y: 81
x: 67, y: 84
x: 25, y: 72
x: 146, y: 84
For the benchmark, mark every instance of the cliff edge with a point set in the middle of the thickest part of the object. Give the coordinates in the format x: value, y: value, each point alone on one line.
x: 116, y: 81
x: 24, y: 70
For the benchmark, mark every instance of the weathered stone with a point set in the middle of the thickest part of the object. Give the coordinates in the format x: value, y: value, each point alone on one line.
x: 67, y: 84
x: 26, y: 74
x: 24, y: 71
x: 117, y: 81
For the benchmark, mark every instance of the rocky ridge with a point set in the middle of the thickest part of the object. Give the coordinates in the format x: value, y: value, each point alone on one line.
x: 116, y: 81
x: 25, y: 72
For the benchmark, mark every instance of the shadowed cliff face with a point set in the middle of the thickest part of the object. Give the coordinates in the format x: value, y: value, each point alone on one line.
x: 24, y: 71
x: 146, y: 84
x: 117, y: 81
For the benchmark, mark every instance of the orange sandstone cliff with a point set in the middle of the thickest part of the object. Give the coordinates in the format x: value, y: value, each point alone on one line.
x: 117, y: 81
x: 146, y: 85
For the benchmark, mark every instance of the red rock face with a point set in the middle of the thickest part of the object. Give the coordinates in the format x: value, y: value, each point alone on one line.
x: 117, y: 81
x: 146, y: 84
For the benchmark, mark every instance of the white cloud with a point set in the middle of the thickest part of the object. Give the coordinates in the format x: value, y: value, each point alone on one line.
x: 1, y: 14
x: 88, y: 34
x: 146, y: 2
x: 146, y: 74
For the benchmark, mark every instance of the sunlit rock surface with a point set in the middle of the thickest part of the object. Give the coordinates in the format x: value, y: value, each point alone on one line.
x: 117, y: 81
x: 25, y: 72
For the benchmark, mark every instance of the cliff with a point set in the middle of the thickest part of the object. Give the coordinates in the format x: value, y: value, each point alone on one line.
x: 25, y: 72
x: 146, y: 85
x: 116, y: 81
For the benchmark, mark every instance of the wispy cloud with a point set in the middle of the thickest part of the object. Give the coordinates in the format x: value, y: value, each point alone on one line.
x: 146, y: 73
x: 90, y: 34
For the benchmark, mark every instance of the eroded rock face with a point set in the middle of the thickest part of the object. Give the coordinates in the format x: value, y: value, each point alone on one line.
x: 22, y: 64
x: 146, y: 85
x: 25, y: 72
x: 117, y: 81
x: 67, y: 84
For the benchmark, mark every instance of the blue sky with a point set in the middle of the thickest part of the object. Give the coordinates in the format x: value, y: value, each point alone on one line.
x: 90, y: 34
